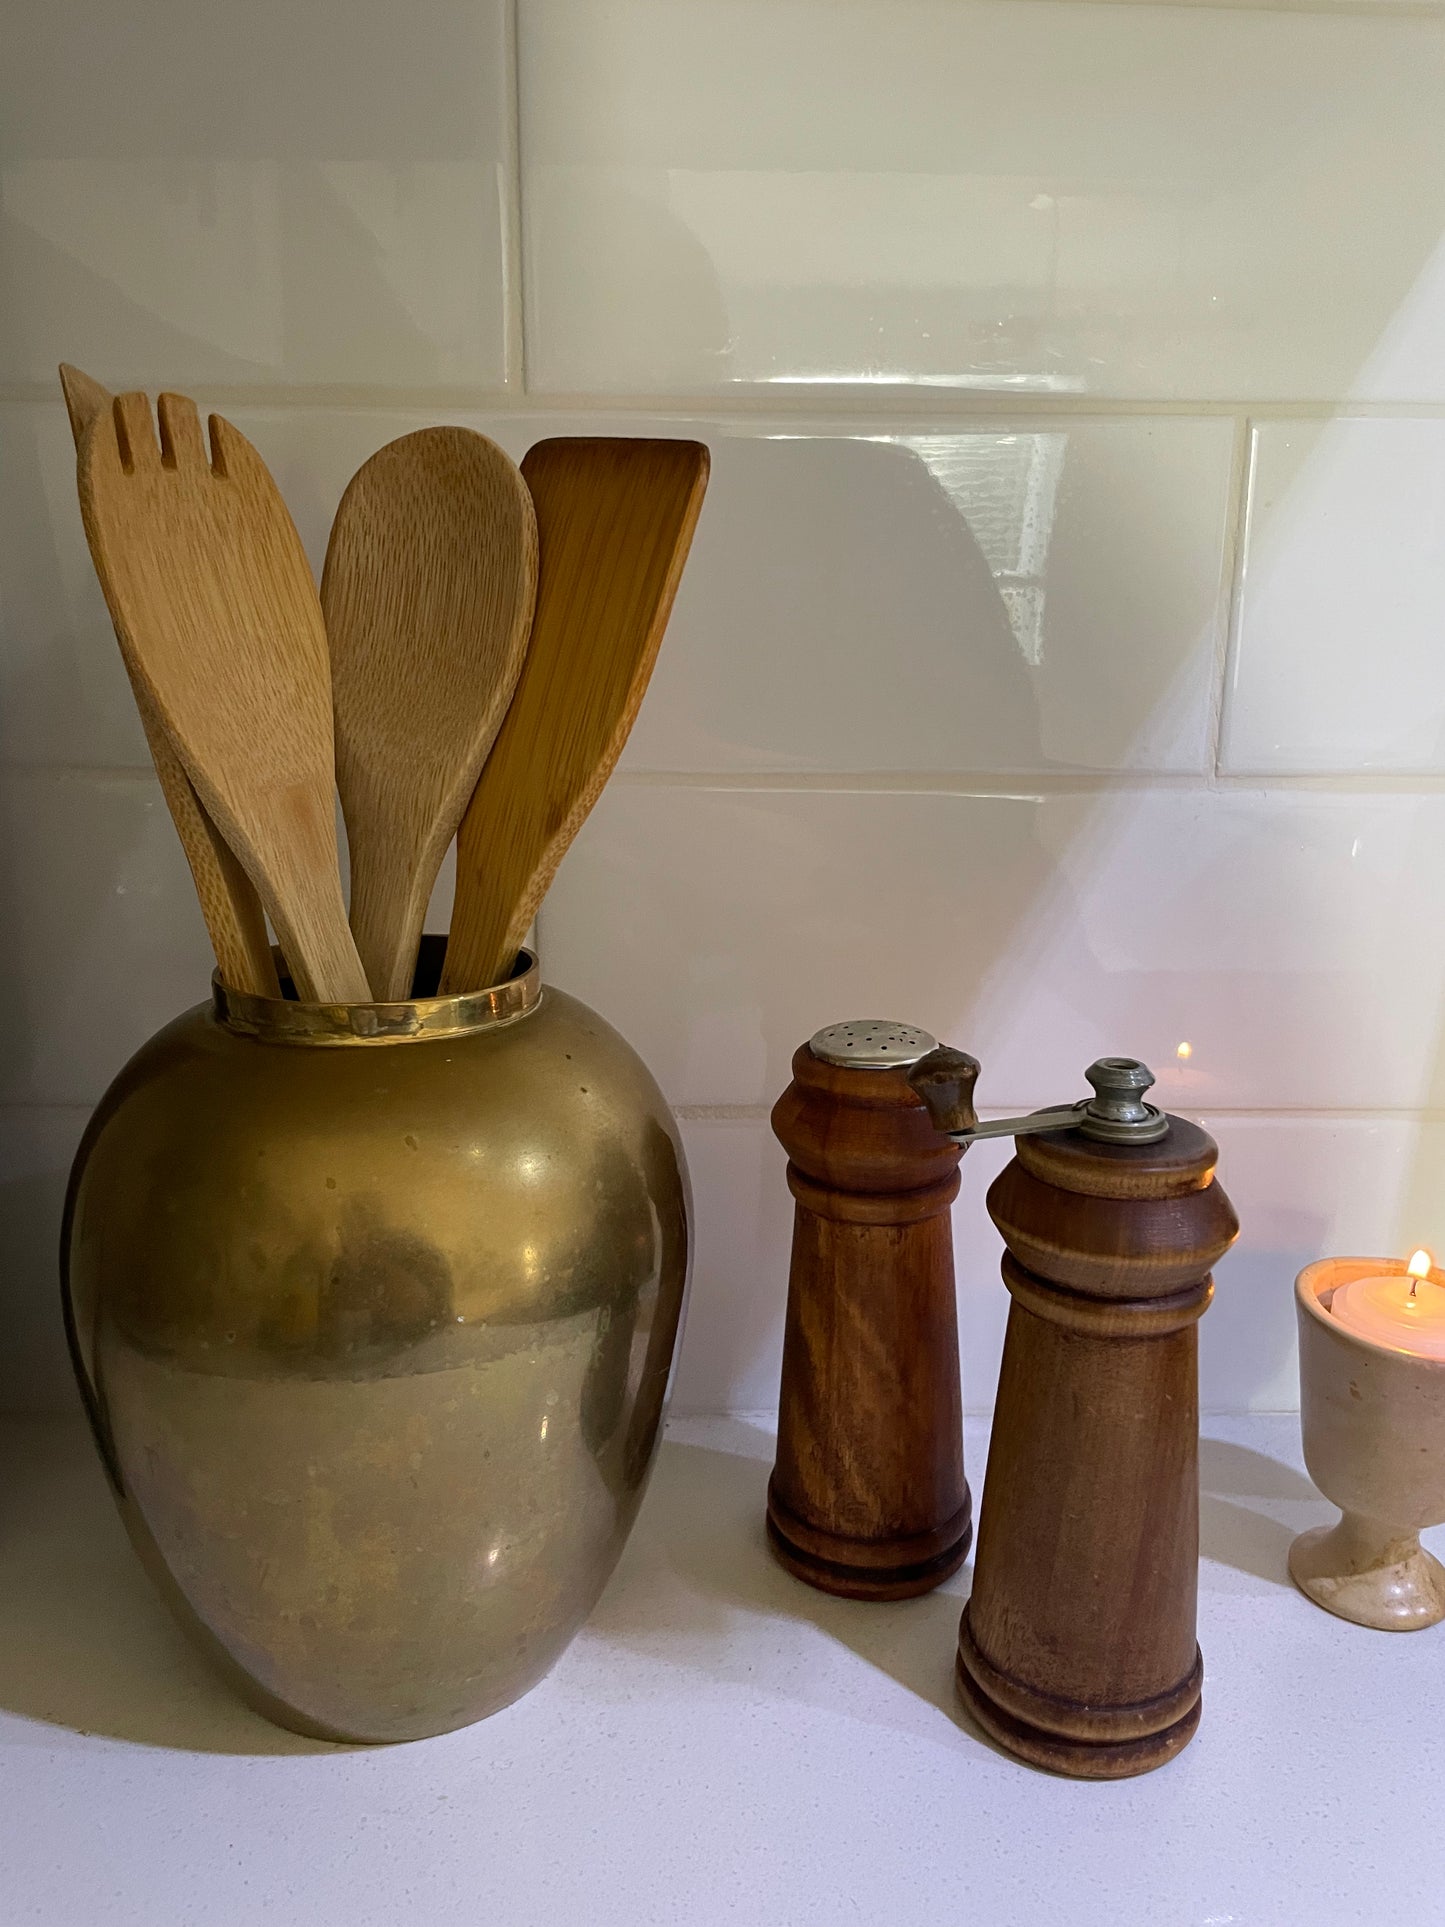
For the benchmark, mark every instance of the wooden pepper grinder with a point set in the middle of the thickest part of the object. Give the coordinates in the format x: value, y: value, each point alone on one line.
x: 868, y: 1497
x: 1077, y: 1648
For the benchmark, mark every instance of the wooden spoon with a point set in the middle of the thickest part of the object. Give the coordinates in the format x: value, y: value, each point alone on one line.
x: 430, y: 577
x: 232, y: 910
x: 218, y: 619
x: 614, y: 522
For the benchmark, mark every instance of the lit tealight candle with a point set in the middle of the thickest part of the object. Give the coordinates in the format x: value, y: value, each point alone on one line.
x: 1403, y: 1310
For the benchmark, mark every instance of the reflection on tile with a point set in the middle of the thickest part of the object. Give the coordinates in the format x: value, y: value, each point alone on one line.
x: 270, y: 199
x: 1338, y: 660
x: 1029, y: 599
x: 1307, y: 1188
x: 1034, y: 599
x: 36, y: 1148
x: 1293, y: 939
x: 1303, y: 1187
x: 1178, y: 201
x: 105, y: 941
x: 64, y: 697
x: 732, y: 1353
x: 732, y: 1347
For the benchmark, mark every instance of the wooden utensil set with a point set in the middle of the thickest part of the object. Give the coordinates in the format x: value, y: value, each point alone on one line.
x: 471, y: 668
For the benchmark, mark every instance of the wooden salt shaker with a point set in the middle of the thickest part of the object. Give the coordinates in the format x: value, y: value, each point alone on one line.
x: 1077, y: 1648
x: 868, y: 1497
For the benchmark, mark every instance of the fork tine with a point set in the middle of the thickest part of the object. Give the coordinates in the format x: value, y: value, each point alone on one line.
x: 84, y: 398
x: 231, y: 454
x: 182, y: 445
x: 136, y: 433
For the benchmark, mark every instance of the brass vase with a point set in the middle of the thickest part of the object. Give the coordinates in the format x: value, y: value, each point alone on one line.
x: 374, y: 1310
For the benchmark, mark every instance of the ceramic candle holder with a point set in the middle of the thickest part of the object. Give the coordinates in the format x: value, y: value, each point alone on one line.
x: 1374, y: 1441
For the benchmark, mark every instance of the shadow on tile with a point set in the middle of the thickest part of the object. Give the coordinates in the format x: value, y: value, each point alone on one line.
x: 84, y: 1641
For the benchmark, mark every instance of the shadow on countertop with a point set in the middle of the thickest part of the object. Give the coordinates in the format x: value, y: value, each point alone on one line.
x: 85, y: 1643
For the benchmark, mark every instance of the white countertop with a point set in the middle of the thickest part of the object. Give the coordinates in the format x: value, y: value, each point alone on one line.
x: 721, y: 1744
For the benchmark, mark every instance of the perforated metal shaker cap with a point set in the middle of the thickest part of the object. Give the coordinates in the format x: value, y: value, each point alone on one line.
x: 872, y: 1044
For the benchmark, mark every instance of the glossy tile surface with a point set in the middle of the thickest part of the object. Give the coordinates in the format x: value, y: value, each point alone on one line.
x: 1339, y: 658
x: 1301, y: 1186
x: 267, y: 193
x: 718, y: 929
x: 104, y: 938
x: 1304, y: 1186
x: 895, y: 600
x: 64, y: 697
x: 732, y: 1350
x: 37, y: 1144
x: 1148, y: 201
x: 1010, y: 600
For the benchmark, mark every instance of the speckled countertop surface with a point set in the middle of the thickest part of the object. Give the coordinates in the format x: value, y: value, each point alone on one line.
x: 719, y: 1745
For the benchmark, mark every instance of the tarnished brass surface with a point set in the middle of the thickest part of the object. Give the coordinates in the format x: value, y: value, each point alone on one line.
x: 377, y: 1335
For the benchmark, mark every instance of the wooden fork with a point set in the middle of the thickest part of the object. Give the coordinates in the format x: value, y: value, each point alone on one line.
x: 234, y: 918
x: 218, y: 619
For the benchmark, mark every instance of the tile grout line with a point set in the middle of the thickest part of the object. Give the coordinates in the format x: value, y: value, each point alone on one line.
x: 761, y: 1113
x: 1235, y: 561
x: 515, y: 251
x: 1230, y: 1113
x: 1029, y: 786
x: 914, y: 408
x: 1017, y: 786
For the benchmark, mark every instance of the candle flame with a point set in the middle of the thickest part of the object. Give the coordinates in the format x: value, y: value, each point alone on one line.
x: 1184, y: 1053
x: 1420, y: 1265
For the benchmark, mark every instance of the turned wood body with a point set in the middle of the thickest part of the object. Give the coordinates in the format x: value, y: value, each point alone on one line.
x: 1077, y: 1649
x: 868, y: 1496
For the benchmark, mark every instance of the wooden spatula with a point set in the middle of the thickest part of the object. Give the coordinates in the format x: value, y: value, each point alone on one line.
x: 614, y: 522
x: 234, y: 918
x: 430, y: 577
x: 218, y: 619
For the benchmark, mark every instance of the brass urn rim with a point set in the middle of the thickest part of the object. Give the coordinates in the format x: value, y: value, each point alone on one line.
x: 286, y: 1020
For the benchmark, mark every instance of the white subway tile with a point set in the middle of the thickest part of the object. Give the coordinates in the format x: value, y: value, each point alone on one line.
x: 36, y: 1148
x: 104, y: 937
x: 1303, y: 1187
x: 1008, y: 599
x: 1338, y: 660
x: 256, y: 194
x: 1307, y: 1188
x: 1019, y: 598
x: 64, y: 697
x: 1172, y: 201
x: 1028, y: 599
x: 732, y: 1351
x: 1293, y: 939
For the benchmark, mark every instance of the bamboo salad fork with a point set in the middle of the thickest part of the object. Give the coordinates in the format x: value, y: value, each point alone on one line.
x: 232, y: 910
x: 218, y: 619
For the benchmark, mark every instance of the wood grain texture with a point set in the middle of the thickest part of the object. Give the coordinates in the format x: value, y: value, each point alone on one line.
x: 234, y: 918
x: 1077, y: 1649
x: 868, y: 1497
x: 614, y: 521
x: 218, y: 618
x: 430, y: 578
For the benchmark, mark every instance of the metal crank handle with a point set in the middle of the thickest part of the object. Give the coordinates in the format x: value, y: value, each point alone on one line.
x: 1115, y: 1114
